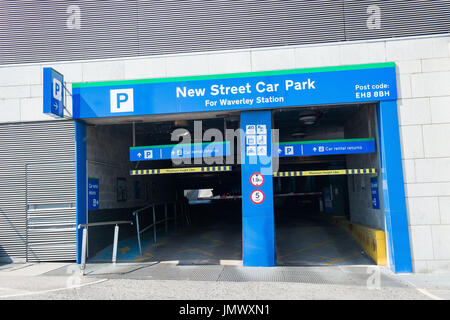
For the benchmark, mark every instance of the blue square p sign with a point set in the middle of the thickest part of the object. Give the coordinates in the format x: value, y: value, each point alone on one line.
x: 53, y: 93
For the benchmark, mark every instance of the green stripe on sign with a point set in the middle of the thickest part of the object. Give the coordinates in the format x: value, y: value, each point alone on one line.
x: 234, y: 75
x: 325, y: 141
x: 179, y: 144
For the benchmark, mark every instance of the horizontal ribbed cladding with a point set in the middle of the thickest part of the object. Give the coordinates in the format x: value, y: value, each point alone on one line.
x: 52, y: 183
x: 51, y: 211
x: 398, y: 18
x: 36, y: 31
x: 193, y: 26
x: 22, y: 144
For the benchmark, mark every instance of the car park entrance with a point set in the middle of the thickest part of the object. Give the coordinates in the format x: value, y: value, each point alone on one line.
x: 329, y: 158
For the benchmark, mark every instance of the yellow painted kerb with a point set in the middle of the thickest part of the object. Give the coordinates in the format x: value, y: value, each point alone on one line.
x: 373, y: 241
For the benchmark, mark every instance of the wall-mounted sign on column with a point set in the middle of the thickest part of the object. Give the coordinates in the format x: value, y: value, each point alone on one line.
x: 256, y: 140
x: 374, y: 192
x: 53, y: 93
x: 93, y: 194
x: 257, y: 196
x: 257, y: 179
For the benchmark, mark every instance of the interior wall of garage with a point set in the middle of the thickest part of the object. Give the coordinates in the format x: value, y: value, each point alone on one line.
x: 362, y: 124
x: 107, y: 153
x: 107, y: 159
x: 423, y: 75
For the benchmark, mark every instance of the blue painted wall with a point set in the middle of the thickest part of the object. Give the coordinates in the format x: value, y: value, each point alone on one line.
x: 397, y: 232
x: 80, y: 155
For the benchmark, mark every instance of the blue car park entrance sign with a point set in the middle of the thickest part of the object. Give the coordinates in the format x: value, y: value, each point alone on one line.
x: 53, y: 85
x: 254, y: 94
x: 256, y: 90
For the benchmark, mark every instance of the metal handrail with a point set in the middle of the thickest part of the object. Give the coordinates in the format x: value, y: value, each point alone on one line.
x: 96, y: 224
x: 106, y: 223
x: 154, y: 223
x: 151, y: 205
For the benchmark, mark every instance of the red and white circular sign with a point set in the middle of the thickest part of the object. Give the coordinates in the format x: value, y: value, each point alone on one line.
x: 257, y: 179
x: 257, y: 196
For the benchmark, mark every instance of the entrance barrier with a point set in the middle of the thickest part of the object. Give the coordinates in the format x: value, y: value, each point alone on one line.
x: 96, y: 224
x: 184, y: 210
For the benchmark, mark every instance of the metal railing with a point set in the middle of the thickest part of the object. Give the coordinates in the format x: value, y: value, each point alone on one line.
x: 184, y: 212
x: 96, y: 224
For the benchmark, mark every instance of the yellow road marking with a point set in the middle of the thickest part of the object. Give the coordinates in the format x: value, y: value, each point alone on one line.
x: 307, y: 248
x: 124, y: 250
x: 201, y: 251
x: 339, y: 260
x: 318, y: 256
x: 148, y: 256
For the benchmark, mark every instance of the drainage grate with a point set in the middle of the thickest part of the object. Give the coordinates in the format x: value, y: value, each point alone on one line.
x: 241, y: 274
x: 165, y: 271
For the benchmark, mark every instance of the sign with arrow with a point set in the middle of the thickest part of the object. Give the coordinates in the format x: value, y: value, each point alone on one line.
x: 324, y: 147
x: 178, y: 151
x: 53, y: 98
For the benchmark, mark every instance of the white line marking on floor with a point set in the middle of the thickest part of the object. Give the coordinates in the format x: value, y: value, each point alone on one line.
x: 430, y: 295
x: 53, y: 290
x: 423, y: 291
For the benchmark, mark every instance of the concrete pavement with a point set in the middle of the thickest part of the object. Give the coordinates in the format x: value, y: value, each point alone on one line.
x: 62, y: 281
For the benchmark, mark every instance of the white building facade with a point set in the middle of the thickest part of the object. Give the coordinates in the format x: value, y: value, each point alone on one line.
x: 423, y: 80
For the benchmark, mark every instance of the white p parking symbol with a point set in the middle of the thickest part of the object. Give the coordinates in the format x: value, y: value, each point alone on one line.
x: 121, y: 100
x: 57, y: 89
x: 148, y: 154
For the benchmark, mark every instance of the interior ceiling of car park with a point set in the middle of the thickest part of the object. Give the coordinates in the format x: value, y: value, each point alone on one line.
x: 294, y: 123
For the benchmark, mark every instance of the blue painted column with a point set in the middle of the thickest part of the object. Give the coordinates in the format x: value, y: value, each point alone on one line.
x: 258, y: 227
x: 393, y: 189
x: 80, y: 173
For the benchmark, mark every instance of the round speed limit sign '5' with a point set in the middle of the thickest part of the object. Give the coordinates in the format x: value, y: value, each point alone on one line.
x: 257, y: 179
x: 257, y: 196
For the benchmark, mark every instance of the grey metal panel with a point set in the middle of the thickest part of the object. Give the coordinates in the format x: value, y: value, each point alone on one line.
x: 31, y: 143
x: 36, y: 31
x: 51, y: 211
x: 33, y: 31
x: 192, y: 26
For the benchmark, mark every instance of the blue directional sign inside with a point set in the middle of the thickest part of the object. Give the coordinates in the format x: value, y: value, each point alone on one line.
x: 180, y: 151
x: 325, y: 147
